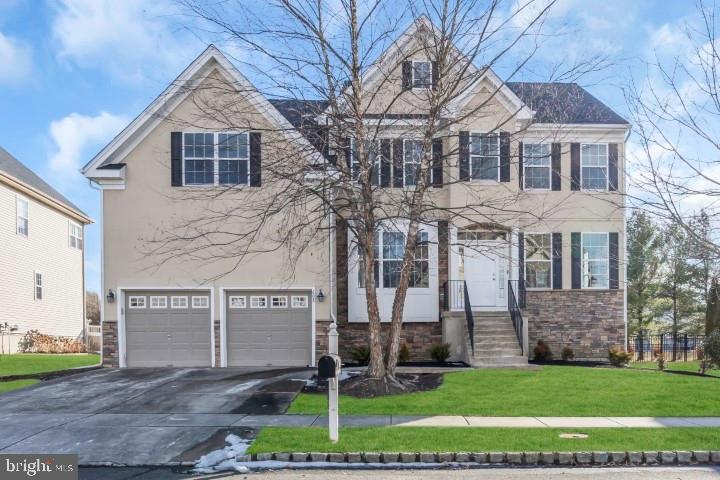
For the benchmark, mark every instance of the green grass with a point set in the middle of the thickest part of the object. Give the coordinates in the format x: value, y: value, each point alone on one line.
x: 16, y: 384
x: 692, y: 366
x: 550, y: 391
x: 459, y: 439
x: 28, y: 363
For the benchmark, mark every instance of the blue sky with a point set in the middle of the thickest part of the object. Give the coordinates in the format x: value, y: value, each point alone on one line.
x: 73, y: 73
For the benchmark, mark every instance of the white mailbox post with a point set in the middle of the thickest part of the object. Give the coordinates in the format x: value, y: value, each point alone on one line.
x: 333, y: 386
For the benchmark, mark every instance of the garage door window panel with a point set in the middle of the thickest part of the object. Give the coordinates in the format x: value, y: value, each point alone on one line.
x: 258, y: 302
x: 137, y: 301
x: 158, y: 302
x: 299, y: 301
x: 237, y: 301
x: 278, y: 302
x: 200, y: 302
x: 179, y: 302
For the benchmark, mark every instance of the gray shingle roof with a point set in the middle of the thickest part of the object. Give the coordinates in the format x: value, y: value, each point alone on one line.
x: 12, y: 167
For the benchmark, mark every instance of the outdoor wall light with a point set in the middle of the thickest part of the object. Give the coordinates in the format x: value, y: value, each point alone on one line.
x: 110, y: 296
x: 321, y: 296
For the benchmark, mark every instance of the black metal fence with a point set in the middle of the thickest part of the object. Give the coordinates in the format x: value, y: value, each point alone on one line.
x: 672, y: 347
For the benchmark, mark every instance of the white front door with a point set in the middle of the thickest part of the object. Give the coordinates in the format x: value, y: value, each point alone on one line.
x: 485, y: 266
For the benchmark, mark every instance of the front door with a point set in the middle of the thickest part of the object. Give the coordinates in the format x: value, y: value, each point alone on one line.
x: 484, y: 264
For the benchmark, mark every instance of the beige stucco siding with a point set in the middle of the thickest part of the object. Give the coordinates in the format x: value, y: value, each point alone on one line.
x: 46, y: 249
x: 149, y: 208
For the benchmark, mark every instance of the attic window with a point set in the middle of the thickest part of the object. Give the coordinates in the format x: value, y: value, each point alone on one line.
x: 422, y: 74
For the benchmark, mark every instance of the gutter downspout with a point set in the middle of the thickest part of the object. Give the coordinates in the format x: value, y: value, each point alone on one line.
x: 625, y: 251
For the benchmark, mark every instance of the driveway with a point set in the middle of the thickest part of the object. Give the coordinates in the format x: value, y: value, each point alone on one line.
x: 143, y: 416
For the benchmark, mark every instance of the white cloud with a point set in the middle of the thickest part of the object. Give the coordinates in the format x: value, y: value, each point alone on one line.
x: 130, y: 39
x: 75, y: 135
x: 15, y: 58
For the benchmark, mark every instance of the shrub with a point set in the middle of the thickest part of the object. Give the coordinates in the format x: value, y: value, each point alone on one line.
x: 360, y: 354
x: 660, y: 360
x: 618, y: 357
x: 35, y: 342
x: 710, y: 352
x: 567, y: 353
x: 404, y: 353
x: 440, y: 353
x: 542, y: 351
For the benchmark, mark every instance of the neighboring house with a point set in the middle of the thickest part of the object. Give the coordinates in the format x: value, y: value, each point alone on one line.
x: 560, y: 260
x: 42, y: 285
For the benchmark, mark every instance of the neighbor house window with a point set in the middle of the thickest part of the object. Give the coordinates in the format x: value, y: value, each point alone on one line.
x: 258, y: 302
x: 38, y: 286
x: 21, y: 210
x: 278, y: 302
x: 411, y: 162
x: 237, y: 301
x: 372, y: 150
x: 594, y: 166
x: 216, y: 158
x: 421, y: 74
x: 595, y: 260
x: 136, y: 301
x: 538, y: 260
x: 76, y: 235
x: 536, y: 166
x: 485, y: 156
x: 200, y: 302
x: 158, y: 301
x: 299, y: 301
x: 179, y: 302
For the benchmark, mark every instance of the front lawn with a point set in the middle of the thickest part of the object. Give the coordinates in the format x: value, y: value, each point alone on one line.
x: 29, y: 363
x: 691, y: 366
x: 15, y: 384
x: 550, y: 391
x: 462, y: 439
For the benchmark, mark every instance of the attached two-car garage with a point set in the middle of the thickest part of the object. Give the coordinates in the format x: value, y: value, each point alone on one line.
x: 173, y: 328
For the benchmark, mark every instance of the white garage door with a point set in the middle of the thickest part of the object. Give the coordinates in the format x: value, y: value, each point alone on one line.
x: 269, y: 328
x: 167, y: 329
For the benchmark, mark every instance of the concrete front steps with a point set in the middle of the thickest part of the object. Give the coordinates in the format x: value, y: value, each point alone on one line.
x: 496, y: 344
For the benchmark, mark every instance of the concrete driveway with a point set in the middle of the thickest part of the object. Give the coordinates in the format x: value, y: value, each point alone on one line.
x: 143, y: 416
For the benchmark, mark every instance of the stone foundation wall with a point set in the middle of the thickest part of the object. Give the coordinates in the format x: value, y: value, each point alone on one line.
x: 588, y: 321
x: 110, y: 345
x: 419, y: 337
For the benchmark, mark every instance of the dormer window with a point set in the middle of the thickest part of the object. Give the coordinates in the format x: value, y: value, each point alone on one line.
x: 422, y: 74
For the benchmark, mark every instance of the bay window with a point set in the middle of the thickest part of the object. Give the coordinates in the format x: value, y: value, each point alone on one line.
x: 389, y: 251
x: 595, y: 260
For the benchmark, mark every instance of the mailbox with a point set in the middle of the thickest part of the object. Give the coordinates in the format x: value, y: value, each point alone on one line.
x: 329, y: 367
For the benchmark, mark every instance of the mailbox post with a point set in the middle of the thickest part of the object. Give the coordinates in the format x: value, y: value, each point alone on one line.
x: 329, y: 368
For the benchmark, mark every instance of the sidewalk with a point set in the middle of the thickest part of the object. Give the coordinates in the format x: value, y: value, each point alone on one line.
x: 463, y: 421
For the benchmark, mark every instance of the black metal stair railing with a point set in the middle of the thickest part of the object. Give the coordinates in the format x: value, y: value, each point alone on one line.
x: 457, y: 298
x: 515, y: 303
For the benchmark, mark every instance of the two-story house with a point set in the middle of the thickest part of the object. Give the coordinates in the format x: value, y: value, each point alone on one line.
x: 42, y: 283
x: 548, y: 265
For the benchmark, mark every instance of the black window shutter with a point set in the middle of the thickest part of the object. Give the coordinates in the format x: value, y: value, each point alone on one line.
x: 176, y: 143
x: 398, y: 163
x: 613, y: 167
x: 557, y: 260
x: 521, y: 173
x: 434, y: 75
x: 576, y: 260
x: 437, y: 167
x: 574, y: 166
x: 464, y: 155
x: 614, y: 253
x: 521, y: 260
x: 406, y: 75
x: 386, y: 155
x: 255, y: 159
x: 504, y: 156
x: 556, y: 165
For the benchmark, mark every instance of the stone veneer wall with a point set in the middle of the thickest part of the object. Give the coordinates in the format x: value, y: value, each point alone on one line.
x: 216, y: 326
x: 589, y: 321
x: 110, y: 345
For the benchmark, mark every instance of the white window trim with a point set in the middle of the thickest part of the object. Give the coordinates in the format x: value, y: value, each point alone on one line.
x: 78, y: 239
x: 204, y: 298
x: 526, y: 166
x: 582, y: 261
x: 412, y: 75
x: 380, y: 258
x: 607, y: 168
x: 525, y: 261
x: 283, y: 297
x: 158, y: 297
x: 257, y: 297
x: 237, y: 297
x: 137, y: 297
x: 299, y: 301
x: 18, y: 199
x: 172, y: 302
x: 216, y: 161
x: 41, y: 285
x: 470, y: 158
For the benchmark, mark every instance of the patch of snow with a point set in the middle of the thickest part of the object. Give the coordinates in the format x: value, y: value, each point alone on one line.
x: 224, y: 459
x: 242, y: 386
x: 345, y: 374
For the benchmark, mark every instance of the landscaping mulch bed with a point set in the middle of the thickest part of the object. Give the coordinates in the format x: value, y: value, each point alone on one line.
x: 357, y: 386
